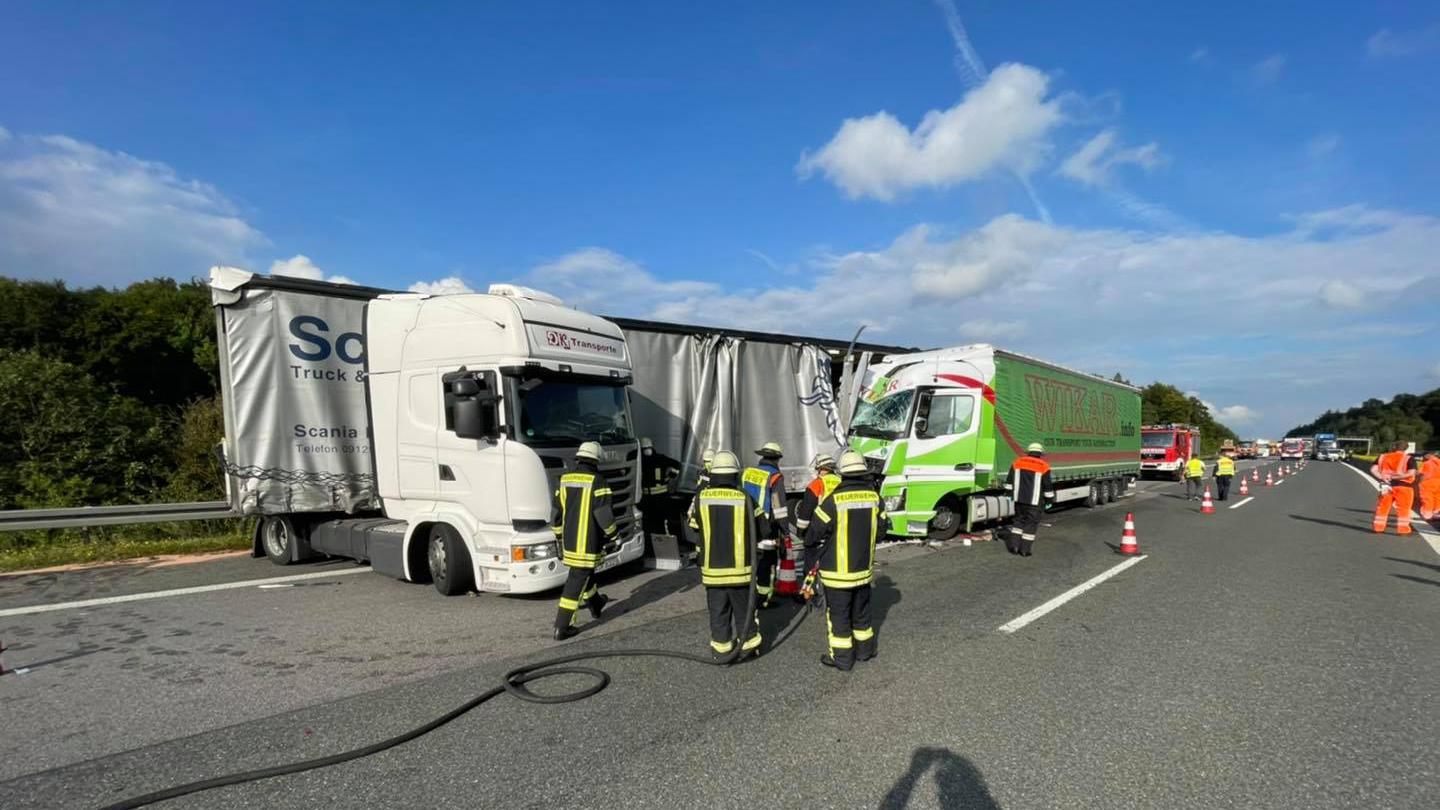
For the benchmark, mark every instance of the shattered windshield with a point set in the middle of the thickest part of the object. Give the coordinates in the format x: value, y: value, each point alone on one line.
x: 887, y: 418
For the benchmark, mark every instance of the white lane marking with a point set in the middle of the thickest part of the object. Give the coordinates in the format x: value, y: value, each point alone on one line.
x: 1421, y: 526
x: 1281, y: 481
x: 141, y: 597
x: 1030, y: 616
x: 1242, y: 503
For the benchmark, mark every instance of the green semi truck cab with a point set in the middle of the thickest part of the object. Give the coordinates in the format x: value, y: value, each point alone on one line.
x: 941, y: 429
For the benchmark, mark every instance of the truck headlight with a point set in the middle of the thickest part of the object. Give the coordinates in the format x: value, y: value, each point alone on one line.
x: 894, y: 503
x: 538, y: 551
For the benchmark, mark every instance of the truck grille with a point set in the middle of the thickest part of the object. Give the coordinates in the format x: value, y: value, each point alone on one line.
x: 622, y: 495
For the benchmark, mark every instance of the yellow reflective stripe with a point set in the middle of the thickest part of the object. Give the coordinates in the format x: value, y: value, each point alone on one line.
x: 849, y: 580
x: 864, y: 635
x: 600, y: 492
x: 842, y: 542
x: 823, y: 515
x: 569, y: 604
x: 841, y: 643
x: 759, y: 511
x: 722, y: 647
x: 705, y: 536
x: 739, y: 538
x: 728, y: 579
x: 751, y: 643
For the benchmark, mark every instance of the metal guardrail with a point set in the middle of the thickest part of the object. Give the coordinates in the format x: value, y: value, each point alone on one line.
x: 15, y: 520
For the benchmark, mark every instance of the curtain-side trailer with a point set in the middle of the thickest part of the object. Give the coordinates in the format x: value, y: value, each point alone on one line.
x: 422, y: 434
x: 943, y: 427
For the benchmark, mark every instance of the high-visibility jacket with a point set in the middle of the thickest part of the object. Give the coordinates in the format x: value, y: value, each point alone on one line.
x: 1195, y: 468
x: 846, y: 525
x: 815, y: 492
x: 1029, y: 481
x: 1398, y: 467
x: 583, y: 519
x: 1430, y: 469
x: 1225, y: 466
x: 725, y: 518
x: 656, y: 470
x: 766, y: 486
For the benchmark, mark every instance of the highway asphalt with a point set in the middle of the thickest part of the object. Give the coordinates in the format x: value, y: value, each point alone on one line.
x: 1273, y: 655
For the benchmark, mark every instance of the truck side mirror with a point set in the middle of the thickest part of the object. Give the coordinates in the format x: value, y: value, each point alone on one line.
x: 472, y: 405
x: 922, y: 427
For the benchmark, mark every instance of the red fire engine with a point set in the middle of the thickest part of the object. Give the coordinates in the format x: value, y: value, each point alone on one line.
x: 1164, y: 449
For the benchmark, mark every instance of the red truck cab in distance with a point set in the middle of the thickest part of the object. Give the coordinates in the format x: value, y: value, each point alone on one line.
x: 1164, y: 449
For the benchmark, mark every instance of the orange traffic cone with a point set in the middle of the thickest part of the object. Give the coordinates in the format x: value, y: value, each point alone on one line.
x: 787, y: 584
x: 1269, y: 481
x: 1129, y: 544
x: 1244, y: 489
x: 1207, y: 506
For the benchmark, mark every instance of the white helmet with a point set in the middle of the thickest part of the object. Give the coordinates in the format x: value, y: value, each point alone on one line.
x: 589, y: 450
x: 646, y: 444
x: 707, y: 458
x: 823, y: 461
x: 852, y: 462
x: 725, y: 463
x: 770, y: 450
x: 1035, y: 447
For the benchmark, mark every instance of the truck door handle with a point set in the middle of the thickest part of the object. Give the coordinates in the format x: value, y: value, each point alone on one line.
x: 965, y: 467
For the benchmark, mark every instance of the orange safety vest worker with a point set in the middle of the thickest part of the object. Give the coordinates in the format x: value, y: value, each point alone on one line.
x: 1430, y: 487
x: 1396, y: 471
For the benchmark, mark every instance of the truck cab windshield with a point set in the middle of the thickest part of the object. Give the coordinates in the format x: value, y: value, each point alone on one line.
x: 1157, y: 439
x: 886, y: 418
x: 558, y: 412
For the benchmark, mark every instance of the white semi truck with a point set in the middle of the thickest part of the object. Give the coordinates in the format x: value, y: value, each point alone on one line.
x: 422, y: 434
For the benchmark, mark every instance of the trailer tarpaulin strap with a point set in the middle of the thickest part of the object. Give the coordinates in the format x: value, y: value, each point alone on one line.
x: 698, y: 391
x: 296, y: 422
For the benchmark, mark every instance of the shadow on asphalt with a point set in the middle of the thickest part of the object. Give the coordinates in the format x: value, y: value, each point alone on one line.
x: 1431, y: 566
x: 1421, y: 580
x: 883, y: 596
x: 1355, y: 526
x: 959, y: 783
x: 651, y: 592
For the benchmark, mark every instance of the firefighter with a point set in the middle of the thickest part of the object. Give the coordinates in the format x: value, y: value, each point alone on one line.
x: 1030, y: 488
x: 1194, y: 478
x: 726, y: 520
x: 706, y: 459
x: 1224, y: 472
x: 841, y: 550
x: 657, y: 473
x: 825, y: 481
x: 1396, y: 471
x: 1430, y: 486
x: 585, y: 526
x: 766, y: 486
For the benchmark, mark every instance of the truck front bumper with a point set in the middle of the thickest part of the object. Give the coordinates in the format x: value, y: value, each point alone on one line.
x: 534, y: 576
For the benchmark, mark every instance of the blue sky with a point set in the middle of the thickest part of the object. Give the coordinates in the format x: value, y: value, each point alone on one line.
x: 1236, y: 198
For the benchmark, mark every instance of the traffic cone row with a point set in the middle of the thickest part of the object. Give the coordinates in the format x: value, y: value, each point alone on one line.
x: 1129, y: 544
x: 1207, y: 506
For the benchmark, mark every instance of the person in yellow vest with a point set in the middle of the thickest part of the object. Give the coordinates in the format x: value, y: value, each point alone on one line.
x: 585, y: 525
x: 1430, y: 486
x: 1224, y: 472
x: 842, y: 551
x: 1396, y: 471
x: 1194, y: 478
x: 765, y: 484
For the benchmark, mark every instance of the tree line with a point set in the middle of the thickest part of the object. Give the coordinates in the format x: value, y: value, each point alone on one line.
x: 1406, y: 418
x: 1163, y: 404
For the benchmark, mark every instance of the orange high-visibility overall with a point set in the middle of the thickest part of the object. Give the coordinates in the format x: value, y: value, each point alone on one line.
x: 1430, y: 488
x: 1394, y: 467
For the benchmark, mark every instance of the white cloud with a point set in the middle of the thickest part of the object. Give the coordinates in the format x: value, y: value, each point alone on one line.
x: 1341, y: 294
x: 75, y: 211
x: 1238, y: 414
x: 1092, y: 163
x: 1003, y: 123
x: 1322, y: 145
x: 1200, y: 55
x: 300, y: 266
x: 603, y: 281
x: 1268, y: 70
x: 1386, y: 43
x: 449, y: 285
x: 989, y: 331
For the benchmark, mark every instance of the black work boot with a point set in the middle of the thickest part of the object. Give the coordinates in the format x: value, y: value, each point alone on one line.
x: 597, y: 604
x: 568, y: 631
x: 1025, y: 547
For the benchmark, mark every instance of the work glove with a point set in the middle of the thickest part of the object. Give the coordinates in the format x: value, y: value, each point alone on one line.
x: 766, y: 545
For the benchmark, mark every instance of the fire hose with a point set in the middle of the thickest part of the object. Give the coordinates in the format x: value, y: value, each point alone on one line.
x: 513, y: 682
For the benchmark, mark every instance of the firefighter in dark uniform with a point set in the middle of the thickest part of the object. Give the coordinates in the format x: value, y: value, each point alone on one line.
x: 585, y: 526
x: 726, y: 520
x: 657, y: 473
x: 841, y: 550
x: 1030, y: 488
x: 766, y: 486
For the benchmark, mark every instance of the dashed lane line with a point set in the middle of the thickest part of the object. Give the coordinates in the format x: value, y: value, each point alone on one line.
x: 1035, y: 613
x: 142, y: 597
x: 1242, y: 503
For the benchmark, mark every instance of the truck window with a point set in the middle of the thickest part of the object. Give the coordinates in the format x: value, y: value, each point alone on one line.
x: 557, y: 412
x: 950, y: 414
x: 1165, y: 439
x: 887, y: 418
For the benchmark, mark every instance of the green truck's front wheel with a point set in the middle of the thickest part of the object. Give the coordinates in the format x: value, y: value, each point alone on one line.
x: 947, y: 521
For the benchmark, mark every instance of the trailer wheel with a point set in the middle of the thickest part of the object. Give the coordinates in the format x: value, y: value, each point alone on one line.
x: 947, y: 521
x: 449, y: 561
x: 277, y: 535
x: 1092, y: 498
x: 1107, y: 489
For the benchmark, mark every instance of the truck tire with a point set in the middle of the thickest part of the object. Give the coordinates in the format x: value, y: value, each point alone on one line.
x: 947, y: 521
x: 278, y: 536
x: 449, y: 561
x: 1093, y: 497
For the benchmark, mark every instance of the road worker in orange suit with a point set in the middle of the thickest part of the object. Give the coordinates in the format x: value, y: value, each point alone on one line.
x: 1031, y: 489
x: 1397, y: 473
x: 1430, y: 486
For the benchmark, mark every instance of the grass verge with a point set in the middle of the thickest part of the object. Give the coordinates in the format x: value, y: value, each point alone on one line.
x: 25, y: 551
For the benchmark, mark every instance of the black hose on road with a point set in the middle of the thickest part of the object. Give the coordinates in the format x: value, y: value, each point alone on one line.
x: 513, y: 682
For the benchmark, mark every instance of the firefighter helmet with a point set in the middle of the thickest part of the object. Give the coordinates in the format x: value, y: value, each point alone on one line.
x: 1035, y: 447
x: 725, y: 463
x: 770, y: 450
x: 852, y: 463
x: 589, y: 450
x: 823, y: 461
x: 707, y: 458
x: 646, y: 444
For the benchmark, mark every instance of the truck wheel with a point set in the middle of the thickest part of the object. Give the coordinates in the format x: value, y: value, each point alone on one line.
x: 449, y: 561
x: 947, y: 521
x: 1093, y: 497
x: 277, y: 534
